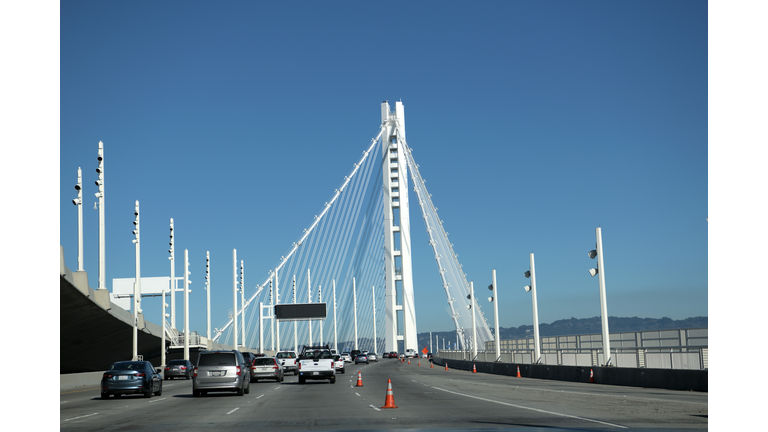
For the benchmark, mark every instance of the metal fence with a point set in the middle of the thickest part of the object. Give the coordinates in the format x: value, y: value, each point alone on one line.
x: 659, y: 349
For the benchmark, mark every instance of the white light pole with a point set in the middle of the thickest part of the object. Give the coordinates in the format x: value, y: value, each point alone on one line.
x: 187, y: 282
x: 208, y: 289
x: 173, y: 281
x: 79, y: 203
x: 495, y: 301
x: 373, y: 300
x: 532, y: 288
x: 234, y: 298
x: 320, y: 300
x: 100, y: 196
x: 354, y: 297
x: 261, y: 327
x: 274, y: 320
x: 335, y: 335
x: 242, y: 304
x: 136, y: 285
x: 295, y: 335
x: 600, y: 271
x: 473, y: 307
x: 430, y: 342
x: 309, y: 295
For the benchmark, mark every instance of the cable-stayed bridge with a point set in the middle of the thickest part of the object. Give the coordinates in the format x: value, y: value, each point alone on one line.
x: 355, y: 255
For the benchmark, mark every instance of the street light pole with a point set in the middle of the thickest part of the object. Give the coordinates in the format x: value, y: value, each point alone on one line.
x: 354, y: 297
x: 100, y: 195
x: 136, y: 285
x: 187, y: 282
x: 532, y: 288
x: 242, y: 304
x: 373, y: 300
x: 600, y: 271
x: 474, y: 320
x: 274, y: 320
x: 173, y: 282
x: 79, y: 203
x: 234, y: 298
x: 208, y: 289
x: 495, y: 300
x: 309, y: 296
x: 295, y: 335
x: 335, y: 335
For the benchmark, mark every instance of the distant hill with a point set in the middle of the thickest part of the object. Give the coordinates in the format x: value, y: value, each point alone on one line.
x: 577, y: 326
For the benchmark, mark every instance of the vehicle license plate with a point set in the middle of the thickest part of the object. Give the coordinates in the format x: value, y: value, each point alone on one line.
x: 314, y: 373
x: 122, y: 377
x: 216, y: 373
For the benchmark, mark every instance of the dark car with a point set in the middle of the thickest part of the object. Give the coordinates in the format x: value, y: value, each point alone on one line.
x: 178, y: 368
x: 249, y: 358
x: 393, y: 354
x: 131, y: 377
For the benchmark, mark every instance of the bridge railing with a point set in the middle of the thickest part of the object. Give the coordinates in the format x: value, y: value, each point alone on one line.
x: 657, y: 358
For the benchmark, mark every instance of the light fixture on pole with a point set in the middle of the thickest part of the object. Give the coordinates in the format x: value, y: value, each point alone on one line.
x: 295, y: 334
x: 495, y: 301
x: 242, y: 304
x: 136, y: 285
x: 79, y: 203
x: 600, y: 271
x: 532, y: 289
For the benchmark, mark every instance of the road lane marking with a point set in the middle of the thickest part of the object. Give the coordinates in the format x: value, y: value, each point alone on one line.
x: 260, y: 397
x: 156, y: 400
x: 377, y: 409
x: 357, y: 393
x: 75, y: 418
x: 233, y: 410
x: 529, y: 408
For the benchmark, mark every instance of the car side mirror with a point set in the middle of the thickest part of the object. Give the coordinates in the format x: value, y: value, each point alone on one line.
x: 158, y: 370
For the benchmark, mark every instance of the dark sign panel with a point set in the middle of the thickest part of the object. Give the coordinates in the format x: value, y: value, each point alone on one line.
x: 300, y: 312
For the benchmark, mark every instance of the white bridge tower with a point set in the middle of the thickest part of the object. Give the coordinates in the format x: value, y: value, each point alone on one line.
x: 397, y: 233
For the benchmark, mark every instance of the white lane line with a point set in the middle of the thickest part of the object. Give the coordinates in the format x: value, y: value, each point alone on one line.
x: 528, y: 408
x: 357, y: 393
x: 377, y: 409
x: 75, y: 418
x: 233, y: 410
x: 260, y: 397
x: 156, y: 400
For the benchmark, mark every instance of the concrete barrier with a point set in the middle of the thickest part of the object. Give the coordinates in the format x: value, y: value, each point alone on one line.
x: 670, y: 379
x: 75, y: 380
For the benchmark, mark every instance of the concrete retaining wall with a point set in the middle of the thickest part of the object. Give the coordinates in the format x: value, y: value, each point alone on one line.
x: 670, y: 379
x: 85, y: 379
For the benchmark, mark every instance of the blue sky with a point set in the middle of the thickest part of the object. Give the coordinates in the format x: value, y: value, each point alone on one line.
x: 533, y: 122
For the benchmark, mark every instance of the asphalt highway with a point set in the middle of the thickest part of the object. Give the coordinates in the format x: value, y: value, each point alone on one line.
x: 426, y: 398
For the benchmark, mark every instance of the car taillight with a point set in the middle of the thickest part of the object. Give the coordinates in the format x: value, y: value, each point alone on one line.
x: 141, y: 375
x: 238, y: 370
x: 195, y: 373
x: 299, y: 365
x: 332, y: 364
x: 184, y: 367
x: 167, y: 368
x: 107, y: 375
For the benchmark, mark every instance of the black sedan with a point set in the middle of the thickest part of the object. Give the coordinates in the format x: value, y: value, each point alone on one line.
x: 131, y: 377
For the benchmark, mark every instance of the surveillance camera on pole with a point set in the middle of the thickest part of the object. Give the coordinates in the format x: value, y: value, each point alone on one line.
x: 600, y: 270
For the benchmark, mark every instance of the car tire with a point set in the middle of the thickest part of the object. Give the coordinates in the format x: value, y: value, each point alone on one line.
x: 148, y: 394
x: 240, y: 391
x: 248, y: 390
x: 302, y: 380
x: 118, y: 395
x: 104, y: 396
x: 195, y: 393
x: 295, y: 372
x: 159, y: 392
x: 333, y: 379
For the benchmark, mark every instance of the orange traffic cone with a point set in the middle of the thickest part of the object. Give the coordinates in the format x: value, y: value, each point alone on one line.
x: 359, y: 379
x: 591, y: 376
x: 431, y: 365
x: 518, y: 372
x: 389, y: 402
x: 409, y: 361
x: 474, y: 369
x: 419, y: 363
x: 446, y: 365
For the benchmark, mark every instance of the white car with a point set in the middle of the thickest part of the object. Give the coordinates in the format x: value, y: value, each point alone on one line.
x: 410, y: 353
x: 373, y: 357
x: 346, y: 357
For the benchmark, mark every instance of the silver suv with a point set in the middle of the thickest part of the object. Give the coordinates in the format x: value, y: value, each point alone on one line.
x: 221, y: 371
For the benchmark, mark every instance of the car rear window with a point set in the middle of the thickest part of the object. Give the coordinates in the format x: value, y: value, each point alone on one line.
x: 177, y: 362
x: 286, y: 355
x: 217, y: 359
x: 128, y: 365
x: 263, y: 362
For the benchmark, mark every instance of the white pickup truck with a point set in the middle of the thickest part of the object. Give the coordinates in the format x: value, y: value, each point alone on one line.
x: 316, y: 363
x: 287, y: 359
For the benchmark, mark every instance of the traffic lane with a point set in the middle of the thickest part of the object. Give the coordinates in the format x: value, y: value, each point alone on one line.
x: 175, y: 409
x: 610, y: 405
x: 421, y: 405
x: 567, y: 386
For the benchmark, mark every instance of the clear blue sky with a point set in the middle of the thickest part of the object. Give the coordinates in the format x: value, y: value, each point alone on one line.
x: 533, y: 122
